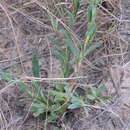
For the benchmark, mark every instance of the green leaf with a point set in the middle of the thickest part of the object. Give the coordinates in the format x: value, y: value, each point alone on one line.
x: 71, y: 46
x: 91, y: 97
x: 91, y: 13
x: 60, y: 96
x: 38, y: 109
x: 35, y: 66
x: 36, y: 84
x: 75, y: 5
x: 77, y: 101
x: 5, y: 76
x: 105, y: 97
x: 92, y: 48
x: 65, y: 33
x: 71, y: 19
x: 93, y: 90
x: 54, y: 107
x: 59, y: 87
x: 73, y: 106
x: 68, y: 71
x: 60, y: 55
x: 52, y: 117
x: 24, y: 88
x: 68, y: 91
x: 96, y: 2
x: 90, y: 33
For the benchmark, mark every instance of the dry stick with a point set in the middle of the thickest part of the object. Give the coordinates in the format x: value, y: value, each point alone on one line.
x: 25, y: 78
x: 15, y: 36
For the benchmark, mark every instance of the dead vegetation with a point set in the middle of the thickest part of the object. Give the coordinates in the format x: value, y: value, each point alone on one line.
x: 25, y: 28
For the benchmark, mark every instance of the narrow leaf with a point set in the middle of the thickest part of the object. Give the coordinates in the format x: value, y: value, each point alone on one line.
x: 73, y: 106
x: 91, y: 31
x: 5, y: 76
x: 91, y: 13
x: 35, y: 66
x: 96, y: 2
x: 92, y: 48
x: 71, y: 46
x: 76, y: 5
x: 91, y: 97
x: 57, y: 94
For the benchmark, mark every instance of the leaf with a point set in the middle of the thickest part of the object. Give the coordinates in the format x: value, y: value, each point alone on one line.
x: 43, y: 97
x: 93, y: 90
x: 60, y: 96
x: 68, y: 71
x: 60, y: 55
x: 73, y: 106
x: 91, y: 97
x: 71, y: 46
x: 92, y: 48
x: 38, y: 109
x: 76, y: 5
x: 71, y: 19
x: 77, y: 101
x: 96, y: 2
x: 24, y: 88
x: 52, y: 117
x: 5, y: 76
x: 59, y: 87
x: 35, y: 66
x: 90, y: 33
x: 105, y: 97
x: 68, y: 91
x: 36, y: 84
x: 54, y: 107
x: 22, y: 85
x: 91, y: 13
x: 65, y: 33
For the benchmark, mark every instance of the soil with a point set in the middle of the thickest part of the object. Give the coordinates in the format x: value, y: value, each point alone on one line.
x: 24, y: 33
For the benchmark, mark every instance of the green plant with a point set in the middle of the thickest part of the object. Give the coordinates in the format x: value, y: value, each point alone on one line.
x: 89, y: 34
x: 55, y: 101
x: 96, y: 94
x: 75, y: 5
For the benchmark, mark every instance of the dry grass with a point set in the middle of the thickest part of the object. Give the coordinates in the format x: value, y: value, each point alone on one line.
x: 25, y: 27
